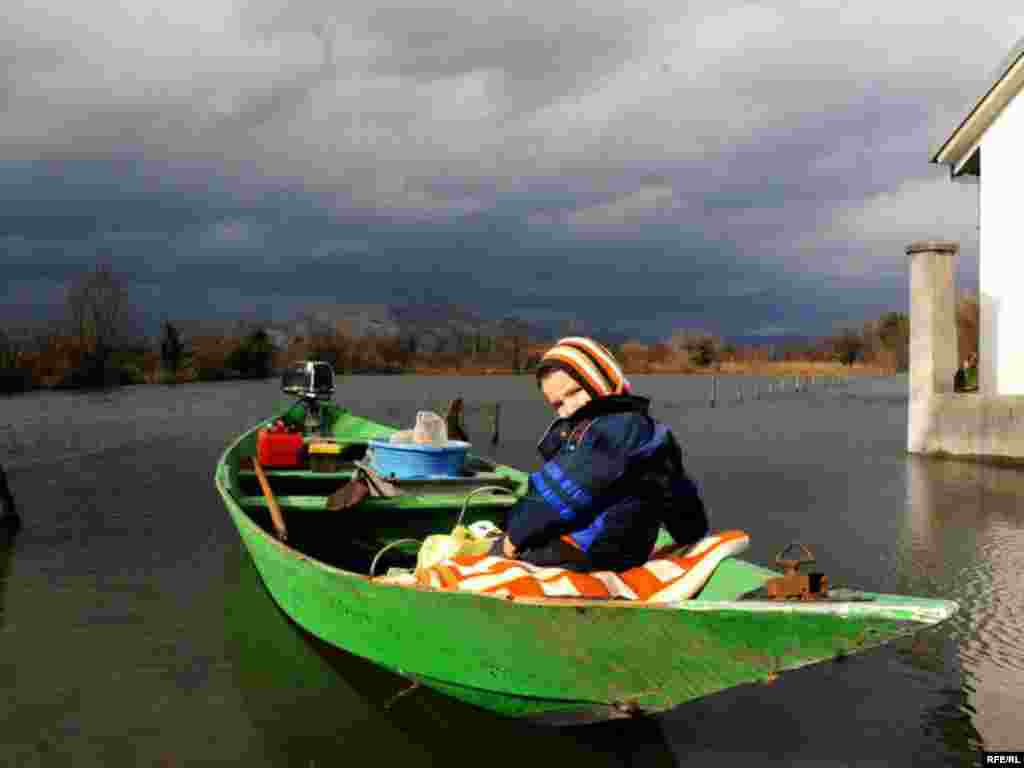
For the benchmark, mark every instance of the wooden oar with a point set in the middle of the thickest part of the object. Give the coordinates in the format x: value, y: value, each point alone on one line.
x: 275, y: 511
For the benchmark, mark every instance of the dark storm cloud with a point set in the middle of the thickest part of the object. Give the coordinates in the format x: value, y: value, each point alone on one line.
x: 751, y: 167
x: 286, y: 97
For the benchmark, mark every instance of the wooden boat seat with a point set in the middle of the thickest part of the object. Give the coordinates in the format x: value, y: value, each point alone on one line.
x: 477, y: 472
x: 406, y: 502
x: 298, y: 483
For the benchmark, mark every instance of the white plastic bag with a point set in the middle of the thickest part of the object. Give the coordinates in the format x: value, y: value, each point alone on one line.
x: 430, y: 430
x: 485, y: 529
x: 444, y: 546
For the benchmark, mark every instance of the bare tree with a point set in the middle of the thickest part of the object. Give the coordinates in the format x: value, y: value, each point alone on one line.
x: 516, y: 333
x: 893, y: 330
x: 518, y: 349
x: 848, y: 346
x: 331, y: 340
x: 99, y: 310
x: 173, y: 353
x: 701, y: 347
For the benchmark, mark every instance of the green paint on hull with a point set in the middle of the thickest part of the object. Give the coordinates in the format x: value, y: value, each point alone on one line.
x: 567, y: 659
x: 548, y: 711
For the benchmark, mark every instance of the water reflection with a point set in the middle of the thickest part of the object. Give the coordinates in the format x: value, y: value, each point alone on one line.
x: 313, y: 703
x: 139, y: 627
x: 866, y: 710
x: 964, y: 537
x: 304, y: 714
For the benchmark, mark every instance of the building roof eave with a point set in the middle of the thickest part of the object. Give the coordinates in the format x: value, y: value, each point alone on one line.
x: 969, y: 164
x: 957, y: 150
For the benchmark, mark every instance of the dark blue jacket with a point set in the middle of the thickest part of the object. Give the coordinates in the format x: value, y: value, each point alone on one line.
x: 612, y: 475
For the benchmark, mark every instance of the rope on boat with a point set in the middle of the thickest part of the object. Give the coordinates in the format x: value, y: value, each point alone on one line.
x: 404, y: 692
x: 386, y: 547
x: 474, y: 492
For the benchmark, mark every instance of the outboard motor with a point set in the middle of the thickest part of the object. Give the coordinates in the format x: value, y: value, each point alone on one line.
x: 312, y: 383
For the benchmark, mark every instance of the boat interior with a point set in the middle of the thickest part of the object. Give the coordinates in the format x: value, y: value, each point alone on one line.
x: 344, y: 512
x: 380, y: 534
x: 384, y: 527
x: 353, y: 538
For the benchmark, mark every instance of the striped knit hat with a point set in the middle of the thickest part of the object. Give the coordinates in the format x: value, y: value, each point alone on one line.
x: 587, y: 362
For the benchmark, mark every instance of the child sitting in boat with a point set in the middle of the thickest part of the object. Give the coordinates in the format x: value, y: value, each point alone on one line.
x: 612, y: 474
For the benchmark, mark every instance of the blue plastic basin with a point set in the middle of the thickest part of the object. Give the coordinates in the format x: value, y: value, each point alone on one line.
x: 406, y: 461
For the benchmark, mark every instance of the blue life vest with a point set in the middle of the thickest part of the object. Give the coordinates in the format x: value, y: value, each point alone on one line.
x: 612, y: 476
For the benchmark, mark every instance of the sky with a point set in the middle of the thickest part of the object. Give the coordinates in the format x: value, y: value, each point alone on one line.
x: 747, y: 169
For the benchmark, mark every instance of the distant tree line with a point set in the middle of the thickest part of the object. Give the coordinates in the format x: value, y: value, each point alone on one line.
x: 510, y: 348
x: 883, y: 343
x: 96, y: 347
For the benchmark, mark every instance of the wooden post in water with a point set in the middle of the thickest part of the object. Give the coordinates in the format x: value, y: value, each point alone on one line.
x: 453, y: 420
x: 497, y: 418
x: 714, y: 391
x: 9, y: 517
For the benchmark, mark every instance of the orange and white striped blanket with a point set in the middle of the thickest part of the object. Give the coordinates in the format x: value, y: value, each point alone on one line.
x: 667, y: 578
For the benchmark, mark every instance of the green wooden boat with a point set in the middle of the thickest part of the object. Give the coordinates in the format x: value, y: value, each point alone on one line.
x: 558, y: 660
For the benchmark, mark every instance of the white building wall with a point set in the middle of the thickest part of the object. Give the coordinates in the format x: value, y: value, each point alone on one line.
x: 1001, y: 246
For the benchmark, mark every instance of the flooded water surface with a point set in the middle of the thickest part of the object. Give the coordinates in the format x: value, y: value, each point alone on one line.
x: 134, y: 629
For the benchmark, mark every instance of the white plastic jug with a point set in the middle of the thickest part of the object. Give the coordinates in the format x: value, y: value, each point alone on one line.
x: 430, y: 430
x: 444, y: 546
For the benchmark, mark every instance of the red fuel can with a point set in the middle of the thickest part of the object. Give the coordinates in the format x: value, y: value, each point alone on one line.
x: 279, y: 449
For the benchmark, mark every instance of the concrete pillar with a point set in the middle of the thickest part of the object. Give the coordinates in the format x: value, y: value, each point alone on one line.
x: 933, y: 347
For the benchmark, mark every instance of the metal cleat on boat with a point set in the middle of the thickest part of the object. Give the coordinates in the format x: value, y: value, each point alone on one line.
x: 794, y: 585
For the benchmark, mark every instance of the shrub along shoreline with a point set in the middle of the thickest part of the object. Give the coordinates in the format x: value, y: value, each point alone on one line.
x: 92, y: 348
x: 64, y: 363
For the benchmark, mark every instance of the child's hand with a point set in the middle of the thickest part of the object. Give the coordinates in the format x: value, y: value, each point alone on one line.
x: 508, y: 549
